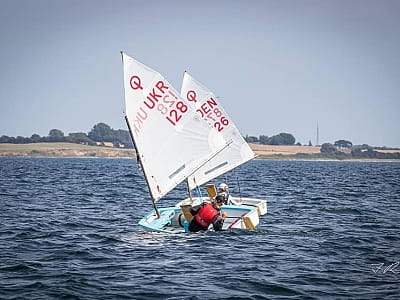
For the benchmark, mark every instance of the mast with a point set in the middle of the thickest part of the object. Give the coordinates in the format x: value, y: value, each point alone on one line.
x: 138, y: 158
x: 141, y: 166
x: 188, y: 189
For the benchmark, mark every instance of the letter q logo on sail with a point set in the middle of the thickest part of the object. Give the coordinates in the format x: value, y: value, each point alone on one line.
x: 135, y: 83
x: 191, y: 96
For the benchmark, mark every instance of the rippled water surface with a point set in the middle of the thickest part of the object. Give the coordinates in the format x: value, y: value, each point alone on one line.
x: 68, y: 230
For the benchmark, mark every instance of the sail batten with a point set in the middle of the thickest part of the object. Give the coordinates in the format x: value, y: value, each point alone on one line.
x: 216, y: 167
x: 180, y: 169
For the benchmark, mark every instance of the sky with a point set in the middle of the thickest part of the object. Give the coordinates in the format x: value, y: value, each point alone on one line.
x: 276, y: 66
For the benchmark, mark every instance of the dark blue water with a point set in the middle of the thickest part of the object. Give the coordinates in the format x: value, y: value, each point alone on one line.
x: 68, y: 230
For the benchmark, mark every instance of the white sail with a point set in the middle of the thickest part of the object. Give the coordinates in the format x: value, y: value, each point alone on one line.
x: 171, y: 138
x: 208, y: 108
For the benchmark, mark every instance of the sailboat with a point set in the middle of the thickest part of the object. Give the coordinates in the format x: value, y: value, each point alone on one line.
x: 172, y: 142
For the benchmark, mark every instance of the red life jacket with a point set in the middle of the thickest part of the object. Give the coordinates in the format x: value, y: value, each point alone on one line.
x: 206, y: 214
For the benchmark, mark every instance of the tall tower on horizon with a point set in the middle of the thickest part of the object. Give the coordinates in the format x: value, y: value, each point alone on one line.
x: 317, y: 143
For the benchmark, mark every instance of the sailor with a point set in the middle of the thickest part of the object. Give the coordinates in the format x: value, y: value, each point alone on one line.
x: 206, y: 214
x: 223, y: 191
x: 228, y: 199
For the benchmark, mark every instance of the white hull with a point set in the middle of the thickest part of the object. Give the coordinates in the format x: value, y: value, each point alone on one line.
x: 260, y: 204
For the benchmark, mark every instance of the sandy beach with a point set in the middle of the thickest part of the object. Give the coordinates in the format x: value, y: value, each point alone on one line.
x: 62, y: 150
x: 267, y: 150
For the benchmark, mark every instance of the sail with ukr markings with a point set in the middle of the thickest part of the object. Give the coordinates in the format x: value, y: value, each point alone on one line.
x: 170, y: 136
x: 211, y: 111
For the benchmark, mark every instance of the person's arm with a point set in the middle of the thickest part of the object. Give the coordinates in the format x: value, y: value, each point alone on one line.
x: 218, y: 221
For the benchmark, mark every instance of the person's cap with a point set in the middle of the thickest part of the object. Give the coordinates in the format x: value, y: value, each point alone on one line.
x: 222, y: 186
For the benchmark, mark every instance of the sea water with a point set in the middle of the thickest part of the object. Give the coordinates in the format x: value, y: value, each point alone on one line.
x: 68, y: 230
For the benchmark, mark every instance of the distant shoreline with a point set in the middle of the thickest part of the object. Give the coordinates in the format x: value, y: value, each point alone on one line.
x: 264, y: 152
x: 62, y: 150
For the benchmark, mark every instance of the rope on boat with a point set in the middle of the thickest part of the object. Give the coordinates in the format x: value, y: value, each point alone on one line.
x: 199, y: 193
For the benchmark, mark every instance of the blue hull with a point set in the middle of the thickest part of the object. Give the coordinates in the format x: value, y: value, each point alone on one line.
x: 170, y: 221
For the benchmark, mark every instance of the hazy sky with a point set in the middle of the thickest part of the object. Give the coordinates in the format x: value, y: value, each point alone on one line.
x: 277, y: 66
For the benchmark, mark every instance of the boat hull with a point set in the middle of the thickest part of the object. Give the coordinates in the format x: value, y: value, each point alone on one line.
x: 167, y: 223
x: 172, y: 219
x: 260, y: 204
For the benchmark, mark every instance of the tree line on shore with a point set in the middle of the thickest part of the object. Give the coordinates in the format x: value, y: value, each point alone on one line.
x: 360, y: 151
x: 100, y: 133
x: 103, y: 134
x: 329, y: 150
